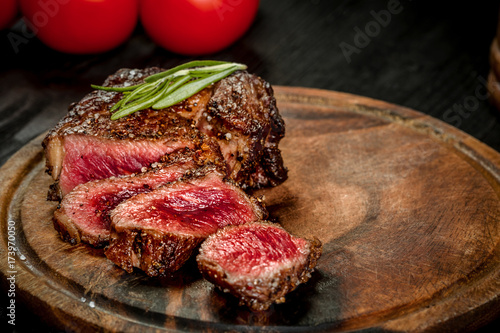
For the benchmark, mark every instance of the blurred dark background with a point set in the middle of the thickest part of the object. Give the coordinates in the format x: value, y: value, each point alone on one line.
x: 432, y: 57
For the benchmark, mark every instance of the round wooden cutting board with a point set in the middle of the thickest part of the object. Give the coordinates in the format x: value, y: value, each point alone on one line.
x: 406, y: 206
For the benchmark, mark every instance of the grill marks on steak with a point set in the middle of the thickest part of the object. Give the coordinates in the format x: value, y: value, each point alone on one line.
x: 258, y: 262
x: 158, y: 231
x: 83, y: 216
x: 239, y: 112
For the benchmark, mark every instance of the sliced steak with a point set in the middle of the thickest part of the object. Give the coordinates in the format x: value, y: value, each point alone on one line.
x: 257, y: 262
x: 83, y: 216
x: 239, y: 112
x: 158, y: 231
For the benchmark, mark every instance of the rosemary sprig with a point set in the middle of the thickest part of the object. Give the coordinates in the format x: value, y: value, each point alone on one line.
x: 170, y: 87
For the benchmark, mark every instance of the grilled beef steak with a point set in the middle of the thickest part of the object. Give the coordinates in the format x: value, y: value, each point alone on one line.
x: 158, y: 231
x: 83, y: 213
x: 239, y: 112
x: 257, y: 262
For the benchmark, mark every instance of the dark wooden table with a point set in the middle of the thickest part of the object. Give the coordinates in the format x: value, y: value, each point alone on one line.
x: 429, y: 57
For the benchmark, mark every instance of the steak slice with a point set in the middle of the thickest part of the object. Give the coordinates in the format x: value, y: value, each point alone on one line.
x: 257, y: 262
x: 83, y: 216
x: 158, y: 231
x: 239, y: 112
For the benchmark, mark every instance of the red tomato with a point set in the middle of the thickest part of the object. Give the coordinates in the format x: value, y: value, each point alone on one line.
x: 8, y: 11
x: 81, y: 26
x: 194, y: 27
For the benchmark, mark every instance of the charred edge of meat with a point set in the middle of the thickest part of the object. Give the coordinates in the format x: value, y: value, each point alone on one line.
x: 54, y: 193
x: 157, y: 254
x: 208, y: 153
x: 205, y: 154
x: 271, y: 170
x: 48, y: 167
x: 244, y: 106
x: 67, y: 233
x: 277, y: 123
x: 72, y: 234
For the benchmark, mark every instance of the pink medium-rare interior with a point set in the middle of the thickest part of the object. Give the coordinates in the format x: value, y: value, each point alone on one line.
x: 92, y: 217
x: 89, y: 158
x: 88, y: 204
x: 254, y: 249
x: 187, y: 208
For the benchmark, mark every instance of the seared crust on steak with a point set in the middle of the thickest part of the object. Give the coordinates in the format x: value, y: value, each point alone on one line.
x: 258, y: 262
x: 155, y: 253
x: 91, y: 115
x: 158, y: 231
x: 242, y: 114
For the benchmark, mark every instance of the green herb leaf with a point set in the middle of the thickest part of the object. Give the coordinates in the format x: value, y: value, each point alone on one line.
x: 170, y: 87
x: 192, y: 64
x: 191, y: 88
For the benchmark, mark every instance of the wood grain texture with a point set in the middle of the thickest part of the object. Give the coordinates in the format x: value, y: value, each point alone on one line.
x: 407, y: 208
